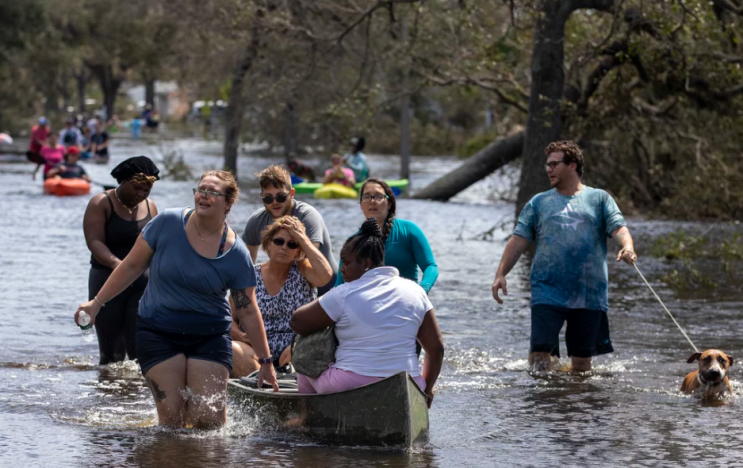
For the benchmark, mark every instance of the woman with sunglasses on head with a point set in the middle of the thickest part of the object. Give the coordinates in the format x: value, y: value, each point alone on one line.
x: 287, y: 281
x: 112, y: 223
x: 183, y: 329
x: 406, y: 247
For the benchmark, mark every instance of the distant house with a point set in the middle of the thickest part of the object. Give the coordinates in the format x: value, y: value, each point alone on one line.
x: 171, y: 101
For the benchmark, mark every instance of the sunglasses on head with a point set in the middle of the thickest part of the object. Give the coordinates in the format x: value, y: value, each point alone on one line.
x: 281, y: 198
x: 289, y: 244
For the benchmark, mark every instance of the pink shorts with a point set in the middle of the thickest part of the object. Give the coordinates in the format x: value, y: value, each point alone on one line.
x: 338, y: 380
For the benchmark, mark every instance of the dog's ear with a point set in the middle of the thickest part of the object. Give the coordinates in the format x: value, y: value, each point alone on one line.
x: 694, y: 357
x: 730, y: 358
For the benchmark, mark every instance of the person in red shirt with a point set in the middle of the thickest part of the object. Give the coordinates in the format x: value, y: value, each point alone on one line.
x: 39, y: 134
x: 53, y: 154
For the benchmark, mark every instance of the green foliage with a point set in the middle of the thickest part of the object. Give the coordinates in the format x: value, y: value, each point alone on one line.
x: 20, y: 22
x: 680, y: 246
x: 689, y: 253
x: 475, y: 144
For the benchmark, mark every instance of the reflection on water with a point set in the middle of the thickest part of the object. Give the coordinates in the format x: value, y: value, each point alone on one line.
x: 58, y: 408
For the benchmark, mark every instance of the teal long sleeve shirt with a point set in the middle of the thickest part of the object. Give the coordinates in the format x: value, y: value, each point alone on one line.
x: 407, y: 249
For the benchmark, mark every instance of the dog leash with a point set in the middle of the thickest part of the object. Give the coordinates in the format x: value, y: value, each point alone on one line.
x: 664, y: 307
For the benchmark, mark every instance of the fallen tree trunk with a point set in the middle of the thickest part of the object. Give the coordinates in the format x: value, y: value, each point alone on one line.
x: 494, y: 156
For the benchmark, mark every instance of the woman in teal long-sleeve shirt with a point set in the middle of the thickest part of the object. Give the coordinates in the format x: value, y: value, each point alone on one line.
x: 406, y: 247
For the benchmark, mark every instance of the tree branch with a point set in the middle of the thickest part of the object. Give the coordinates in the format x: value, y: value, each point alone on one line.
x: 655, y: 111
x: 601, y: 5
x: 480, y: 83
x: 728, y: 5
x: 369, y: 12
x: 706, y: 88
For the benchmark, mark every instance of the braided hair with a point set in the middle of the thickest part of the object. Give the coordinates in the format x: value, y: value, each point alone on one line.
x: 388, y: 222
x: 368, y: 243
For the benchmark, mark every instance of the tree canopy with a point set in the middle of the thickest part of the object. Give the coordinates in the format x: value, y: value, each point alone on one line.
x: 651, y: 90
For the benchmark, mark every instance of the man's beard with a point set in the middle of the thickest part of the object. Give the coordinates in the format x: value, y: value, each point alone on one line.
x: 287, y: 209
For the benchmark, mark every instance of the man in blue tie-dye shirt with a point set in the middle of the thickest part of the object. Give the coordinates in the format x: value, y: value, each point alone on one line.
x: 569, y: 281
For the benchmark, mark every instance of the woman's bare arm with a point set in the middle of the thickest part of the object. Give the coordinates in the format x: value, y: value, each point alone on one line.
x: 310, y: 318
x: 315, y: 268
x: 123, y: 275
x: 94, y: 228
x: 429, y: 336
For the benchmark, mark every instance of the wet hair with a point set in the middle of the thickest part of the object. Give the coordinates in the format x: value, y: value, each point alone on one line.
x: 270, y: 232
x: 231, y: 191
x: 368, y: 243
x: 571, y: 153
x: 274, y: 176
x: 387, y: 226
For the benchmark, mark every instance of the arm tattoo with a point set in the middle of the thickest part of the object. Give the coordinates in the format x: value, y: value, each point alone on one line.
x: 240, y: 298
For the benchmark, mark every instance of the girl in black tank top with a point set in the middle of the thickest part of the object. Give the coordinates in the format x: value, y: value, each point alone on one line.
x: 116, y: 325
x: 121, y: 234
x: 112, y: 237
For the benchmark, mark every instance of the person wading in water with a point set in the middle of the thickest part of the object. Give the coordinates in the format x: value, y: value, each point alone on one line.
x: 569, y: 226
x: 112, y: 223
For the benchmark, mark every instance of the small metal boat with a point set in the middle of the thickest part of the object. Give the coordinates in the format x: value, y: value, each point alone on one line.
x: 391, y: 412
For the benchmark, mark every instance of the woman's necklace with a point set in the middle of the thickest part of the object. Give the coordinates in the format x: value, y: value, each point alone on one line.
x: 196, y: 225
x: 122, y: 203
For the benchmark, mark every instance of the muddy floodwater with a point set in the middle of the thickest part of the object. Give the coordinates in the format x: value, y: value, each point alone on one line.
x: 59, y: 408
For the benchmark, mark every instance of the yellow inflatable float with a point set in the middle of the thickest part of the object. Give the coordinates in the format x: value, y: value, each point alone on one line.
x: 335, y: 191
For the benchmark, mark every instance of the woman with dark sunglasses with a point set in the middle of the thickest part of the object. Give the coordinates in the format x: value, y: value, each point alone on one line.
x: 287, y: 281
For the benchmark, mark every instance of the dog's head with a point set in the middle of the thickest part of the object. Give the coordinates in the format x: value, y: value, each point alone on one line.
x: 713, y: 365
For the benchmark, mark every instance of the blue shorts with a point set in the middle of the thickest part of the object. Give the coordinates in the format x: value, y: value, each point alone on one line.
x: 586, y: 335
x: 155, y: 346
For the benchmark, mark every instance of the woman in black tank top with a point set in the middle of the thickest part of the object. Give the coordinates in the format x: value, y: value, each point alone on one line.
x: 113, y: 221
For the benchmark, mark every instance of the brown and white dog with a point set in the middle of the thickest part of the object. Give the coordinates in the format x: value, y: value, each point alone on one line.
x: 711, y: 380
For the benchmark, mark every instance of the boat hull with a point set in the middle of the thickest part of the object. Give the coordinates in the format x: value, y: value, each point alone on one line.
x: 335, y: 191
x: 391, y: 412
x: 66, y: 187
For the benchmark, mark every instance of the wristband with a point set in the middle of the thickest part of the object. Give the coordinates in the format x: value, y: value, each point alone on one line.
x: 265, y: 360
x: 95, y: 298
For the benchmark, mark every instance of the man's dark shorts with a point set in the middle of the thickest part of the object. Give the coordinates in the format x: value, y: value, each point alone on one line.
x: 154, y: 347
x: 587, y: 333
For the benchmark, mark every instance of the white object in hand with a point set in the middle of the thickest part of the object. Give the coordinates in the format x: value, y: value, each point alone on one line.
x: 87, y: 328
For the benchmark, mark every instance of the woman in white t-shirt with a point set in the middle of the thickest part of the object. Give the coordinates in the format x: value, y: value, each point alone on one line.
x: 378, y: 317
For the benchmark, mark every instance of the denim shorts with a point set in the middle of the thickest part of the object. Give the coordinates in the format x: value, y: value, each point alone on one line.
x: 586, y: 335
x: 155, y: 346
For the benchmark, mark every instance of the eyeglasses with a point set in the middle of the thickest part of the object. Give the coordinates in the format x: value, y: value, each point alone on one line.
x: 207, y: 194
x: 379, y: 198
x: 552, y: 165
x: 281, y: 198
x: 289, y: 244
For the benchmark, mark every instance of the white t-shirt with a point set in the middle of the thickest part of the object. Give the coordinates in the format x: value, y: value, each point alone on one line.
x: 377, y: 318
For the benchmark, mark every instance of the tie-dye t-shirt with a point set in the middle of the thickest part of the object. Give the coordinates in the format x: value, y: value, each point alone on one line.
x: 570, y: 233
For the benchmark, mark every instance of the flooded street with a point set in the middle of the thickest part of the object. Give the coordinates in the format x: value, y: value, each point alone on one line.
x: 58, y: 408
